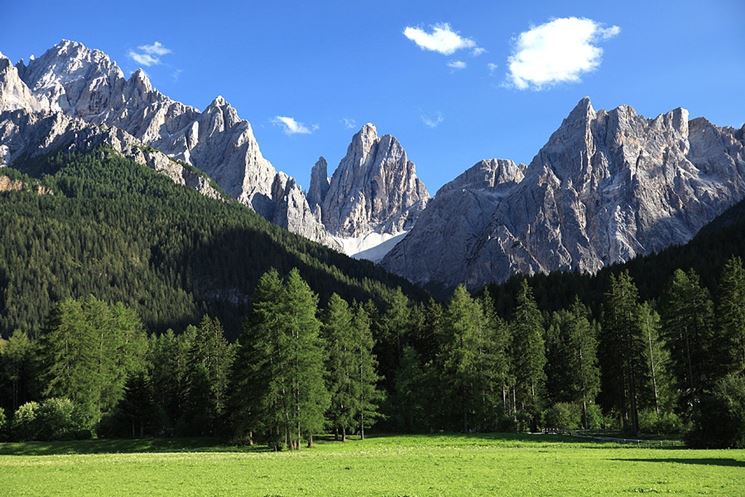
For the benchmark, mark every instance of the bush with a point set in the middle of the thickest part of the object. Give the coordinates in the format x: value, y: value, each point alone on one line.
x: 719, y: 420
x: 659, y: 423
x: 26, y: 422
x: 56, y: 418
x: 595, y: 420
x: 563, y: 416
x: 3, y: 424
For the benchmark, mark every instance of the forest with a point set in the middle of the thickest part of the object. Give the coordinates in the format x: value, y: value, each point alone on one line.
x: 297, y: 370
x: 132, y: 307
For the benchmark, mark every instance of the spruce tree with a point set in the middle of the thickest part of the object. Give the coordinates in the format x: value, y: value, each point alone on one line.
x: 730, y: 342
x: 688, y: 324
x: 258, y: 388
x: 622, y: 348
x: 528, y: 354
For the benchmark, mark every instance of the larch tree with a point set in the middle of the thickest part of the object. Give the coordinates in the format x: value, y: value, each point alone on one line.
x: 368, y: 396
x: 731, y: 317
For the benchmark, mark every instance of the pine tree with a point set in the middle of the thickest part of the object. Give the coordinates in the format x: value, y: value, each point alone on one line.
x: 463, y: 356
x: 341, y: 365
x: 730, y: 342
x: 496, y: 364
x: 366, y: 376
x: 309, y: 398
x: 688, y: 317
x: 528, y: 354
x: 258, y: 386
x: 18, y: 370
x: 622, y: 348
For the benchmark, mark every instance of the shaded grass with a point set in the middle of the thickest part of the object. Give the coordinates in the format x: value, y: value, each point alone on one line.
x: 391, y: 466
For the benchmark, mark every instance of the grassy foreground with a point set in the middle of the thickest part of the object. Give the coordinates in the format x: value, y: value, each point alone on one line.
x: 396, y: 466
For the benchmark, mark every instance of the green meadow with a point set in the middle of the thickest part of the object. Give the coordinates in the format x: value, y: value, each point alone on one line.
x: 391, y: 466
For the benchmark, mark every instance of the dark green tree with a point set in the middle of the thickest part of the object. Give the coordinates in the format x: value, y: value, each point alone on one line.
x: 688, y: 325
x: 368, y: 396
x: 730, y: 341
x: 528, y: 355
x: 341, y: 366
x: 622, y: 348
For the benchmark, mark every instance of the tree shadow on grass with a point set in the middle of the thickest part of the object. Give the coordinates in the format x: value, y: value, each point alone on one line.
x: 122, y: 446
x: 705, y: 461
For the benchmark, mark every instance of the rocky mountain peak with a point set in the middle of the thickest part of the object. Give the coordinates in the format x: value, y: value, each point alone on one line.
x: 141, y: 81
x: 14, y: 94
x: 374, y: 188
x: 319, y: 184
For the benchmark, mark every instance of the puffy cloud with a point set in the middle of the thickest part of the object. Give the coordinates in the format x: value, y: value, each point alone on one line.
x: 441, y: 39
x: 457, y: 64
x: 290, y: 126
x: 558, y: 51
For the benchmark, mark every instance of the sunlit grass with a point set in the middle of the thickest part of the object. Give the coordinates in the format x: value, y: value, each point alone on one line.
x: 431, y: 465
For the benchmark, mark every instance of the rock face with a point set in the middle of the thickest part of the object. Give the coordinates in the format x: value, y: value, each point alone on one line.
x: 374, y: 189
x: 319, y: 184
x: 607, y: 186
x: 84, y: 85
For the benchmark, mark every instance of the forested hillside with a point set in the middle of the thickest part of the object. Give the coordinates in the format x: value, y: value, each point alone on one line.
x: 98, y: 224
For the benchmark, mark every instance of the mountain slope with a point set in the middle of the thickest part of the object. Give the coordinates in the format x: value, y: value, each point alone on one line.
x: 100, y: 224
x: 706, y: 253
x: 608, y: 186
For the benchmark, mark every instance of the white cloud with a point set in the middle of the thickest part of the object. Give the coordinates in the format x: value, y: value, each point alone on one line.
x: 558, y: 51
x: 432, y: 121
x: 492, y: 67
x: 144, y: 59
x: 149, y: 55
x: 441, y: 39
x: 155, y: 48
x: 457, y: 65
x: 478, y: 51
x: 290, y: 126
x: 349, y: 123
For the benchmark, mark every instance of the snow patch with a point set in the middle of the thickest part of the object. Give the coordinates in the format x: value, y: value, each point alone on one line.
x: 372, y: 246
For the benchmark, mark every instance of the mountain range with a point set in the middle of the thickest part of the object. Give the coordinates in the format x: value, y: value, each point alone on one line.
x: 608, y: 186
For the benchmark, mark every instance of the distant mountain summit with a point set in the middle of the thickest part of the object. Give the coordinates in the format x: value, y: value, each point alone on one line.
x: 608, y: 186
x: 88, y: 93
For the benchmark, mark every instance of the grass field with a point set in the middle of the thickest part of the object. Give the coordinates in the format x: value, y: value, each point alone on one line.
x: 396, y: 466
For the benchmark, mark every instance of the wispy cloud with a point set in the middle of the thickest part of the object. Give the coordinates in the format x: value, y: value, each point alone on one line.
x: 457, y: 65
x: 441, y: 39
x: 478, y: 51
x: 349, y: 123
x: 149, y: 55
x: 558, y: 51
x: 290, y: 126
x: 432, y: 120
x: 155, y: 48
x: 492, y: 67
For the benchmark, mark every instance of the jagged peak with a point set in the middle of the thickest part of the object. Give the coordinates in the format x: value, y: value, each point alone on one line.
x: 582, y: 111
x: 141, y: 79
x: 219, y: 101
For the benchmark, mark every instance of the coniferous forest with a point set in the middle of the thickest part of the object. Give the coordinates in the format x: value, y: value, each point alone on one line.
x: 133, y: 307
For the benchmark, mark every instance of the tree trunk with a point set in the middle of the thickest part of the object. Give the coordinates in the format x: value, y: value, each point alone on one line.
x: 310, y: 440
x: 343, y: 433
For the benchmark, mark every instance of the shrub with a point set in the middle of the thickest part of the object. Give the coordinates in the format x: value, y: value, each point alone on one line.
x: 659, y: 423
x: 719, y: 420
x: 563, y: 416
x: 56, y: 418
x: 26, y: 422
x: 3, y: 424
x: 595, y: 420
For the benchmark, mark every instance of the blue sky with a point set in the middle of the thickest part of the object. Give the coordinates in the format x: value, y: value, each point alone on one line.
x: 332, y: 66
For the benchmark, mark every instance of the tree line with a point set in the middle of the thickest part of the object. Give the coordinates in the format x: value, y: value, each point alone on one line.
x: 673, y: 364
